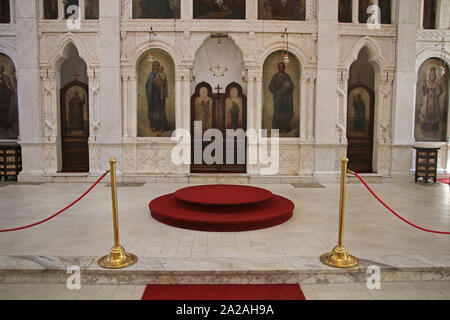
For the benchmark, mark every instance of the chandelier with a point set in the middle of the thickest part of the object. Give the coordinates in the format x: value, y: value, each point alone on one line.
x: 151, y: 38
x: 285, y: 57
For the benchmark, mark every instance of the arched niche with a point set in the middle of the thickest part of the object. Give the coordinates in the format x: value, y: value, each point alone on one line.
x: 9, y: 120
x: 155, y: 71
x: 281, y: 95
x: 74, y: 111
x: 432, y: 101
x: 360, y: 113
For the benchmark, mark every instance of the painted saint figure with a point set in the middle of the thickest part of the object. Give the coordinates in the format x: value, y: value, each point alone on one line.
x: 6, y: 93
x: 359, y: 108
x: 281, y: 87
x: 156, y: 90
x: 235, y: 116
x: 203, y: 109
x: 429, y: 115
x: 76, y: 111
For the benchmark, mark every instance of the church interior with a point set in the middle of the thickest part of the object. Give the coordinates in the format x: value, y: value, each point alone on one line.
x: 229, y: 138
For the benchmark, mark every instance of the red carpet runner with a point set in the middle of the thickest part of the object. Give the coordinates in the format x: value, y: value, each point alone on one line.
x: 446, y: 181
x: 223, y: 292
x: 221, y: 208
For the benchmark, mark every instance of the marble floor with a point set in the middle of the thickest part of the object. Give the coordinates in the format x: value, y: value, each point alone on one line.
x: 86, y: 228
x: 371, y: 232
x: 417, y: 290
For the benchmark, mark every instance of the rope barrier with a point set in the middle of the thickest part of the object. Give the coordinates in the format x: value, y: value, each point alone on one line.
x: 61, y: 211
x: 391, y: 210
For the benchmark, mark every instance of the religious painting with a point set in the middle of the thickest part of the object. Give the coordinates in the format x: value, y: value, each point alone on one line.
x: 9, y: 119
x: 156, y: 9
x: 234, y: 109
x: 281, y: 95
x: 432, y: 101
x: 359, y: 112
x: 282, y: 9
x: 91, y: 9
x: 156, y: 94
x: 345, y: 11
x: 429, y: 14
x: 219, y: 9
x: 51, y: 9
x: 203, y: 105
x: 5, y: 13
x: 363, y: 16
x: 76, y: 109
x: 71, y: 9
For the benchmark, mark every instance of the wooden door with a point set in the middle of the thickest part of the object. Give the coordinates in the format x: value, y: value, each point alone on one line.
x: 360, y: 113
x: 75, y: 127
x: 220, y: 111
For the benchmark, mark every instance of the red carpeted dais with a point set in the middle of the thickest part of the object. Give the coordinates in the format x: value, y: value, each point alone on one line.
x: 223, y: 292
x: 221, y: 208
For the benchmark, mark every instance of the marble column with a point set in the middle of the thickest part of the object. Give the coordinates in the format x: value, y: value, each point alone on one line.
x: 187, y: 9
x: 251, y: 10
x: 342, y: 92
x: 252, y: 119
x: 30, y: 109
x: 110, y: 124
x: 325, y: 106
x: 420, y: 14
x: 443, y: 15
x: 355, y: 6
x: 127, y: 9
x: 404, y: 89
x: 61, y: 13
x: 50, y: 103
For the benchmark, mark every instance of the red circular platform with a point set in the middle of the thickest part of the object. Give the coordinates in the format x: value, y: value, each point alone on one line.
x: 221, y: 208
x: 223, y: 195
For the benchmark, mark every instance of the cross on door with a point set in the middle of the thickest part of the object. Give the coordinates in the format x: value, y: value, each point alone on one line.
x: 218, y: 88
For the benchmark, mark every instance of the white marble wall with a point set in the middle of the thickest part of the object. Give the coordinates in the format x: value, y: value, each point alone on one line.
x: 30, y: 112
x: 112, y: 45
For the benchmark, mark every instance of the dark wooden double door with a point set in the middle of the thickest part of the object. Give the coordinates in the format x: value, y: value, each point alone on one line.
x: 219, y: 111
x: 75, y: 127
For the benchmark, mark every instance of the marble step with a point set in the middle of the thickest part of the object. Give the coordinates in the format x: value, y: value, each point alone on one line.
x: 148, y: 270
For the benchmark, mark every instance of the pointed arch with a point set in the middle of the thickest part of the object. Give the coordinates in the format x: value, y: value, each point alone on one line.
x: 80, y: 45
x: 375, y: 54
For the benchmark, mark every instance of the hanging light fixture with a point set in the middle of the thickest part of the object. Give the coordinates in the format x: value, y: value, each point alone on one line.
x: 285, y: 57
x: 151, y: 36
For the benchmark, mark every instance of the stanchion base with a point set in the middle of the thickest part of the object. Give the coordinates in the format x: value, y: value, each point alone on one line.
x: 117, y: 259
x: 339, y: 258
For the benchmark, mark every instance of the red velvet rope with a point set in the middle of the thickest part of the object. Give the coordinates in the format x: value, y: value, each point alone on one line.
x: 61, y: 211
x: 396, y: 214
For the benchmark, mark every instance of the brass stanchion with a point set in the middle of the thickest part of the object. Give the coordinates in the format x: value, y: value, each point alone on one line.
x: 117, y: 257
x: 339, y: 257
